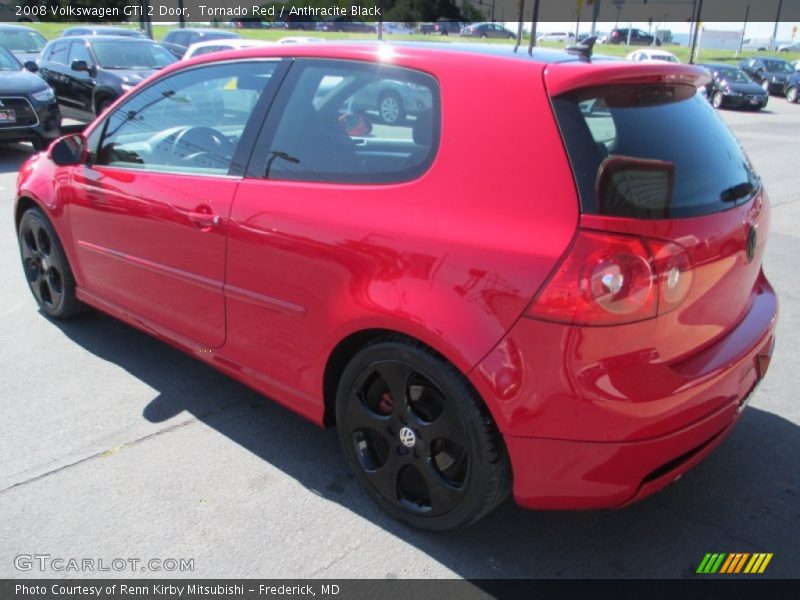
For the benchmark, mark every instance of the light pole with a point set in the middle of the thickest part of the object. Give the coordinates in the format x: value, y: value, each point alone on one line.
x: 775, y: 30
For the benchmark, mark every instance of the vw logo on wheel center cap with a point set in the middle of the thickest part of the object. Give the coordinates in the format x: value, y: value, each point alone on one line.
x: 407, y: 437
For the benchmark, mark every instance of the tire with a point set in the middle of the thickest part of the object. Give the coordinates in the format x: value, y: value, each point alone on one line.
x: 434, y: 460
x: 46, y: 267
x: 102, y: 104
x: 483, y: 36
x: 791, y: 95
x: 717, y: 100
x: 510, y: 37
x: 390, y: 108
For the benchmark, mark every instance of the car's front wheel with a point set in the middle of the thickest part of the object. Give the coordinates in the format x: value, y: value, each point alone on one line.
x: 46, y: 266
x: 791, y: 94
x: 390, y: 108
x: 419, y: 438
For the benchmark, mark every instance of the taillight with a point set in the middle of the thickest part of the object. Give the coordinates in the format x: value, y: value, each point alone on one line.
x: 608, y: 279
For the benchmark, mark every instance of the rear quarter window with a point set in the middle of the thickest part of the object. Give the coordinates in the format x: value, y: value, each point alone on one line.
x: 670, y: 153
x: 350, y: 122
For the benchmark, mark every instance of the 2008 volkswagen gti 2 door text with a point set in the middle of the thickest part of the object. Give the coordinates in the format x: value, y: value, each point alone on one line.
x: 567, y: 304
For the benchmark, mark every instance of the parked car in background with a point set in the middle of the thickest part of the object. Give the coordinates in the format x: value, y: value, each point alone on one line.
x: 177, y: 41
x: 84, y: 30
x: 346, y: 25
x: 770, y: 73
x: 25, y: 43
x: 580, y: 328
x: 297, y: 39
x: 210, y: 46
x: 249, y: 23
x: 793, y: 47
x: 487, y: 30
x: 28, y: 108
x: 651, y: 54
x: 393, y: 28
x: 442, y: 27
x: 9, y: 13
x: 557, y: 36
x: 89, y: 73
x: 731, y: 87
x: 792, y: 87
x: 619, y: 35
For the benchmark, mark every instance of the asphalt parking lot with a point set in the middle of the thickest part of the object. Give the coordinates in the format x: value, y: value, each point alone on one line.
x: 115, y: 445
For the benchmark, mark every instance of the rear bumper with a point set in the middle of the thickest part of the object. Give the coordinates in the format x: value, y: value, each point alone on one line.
x: 570, y: 450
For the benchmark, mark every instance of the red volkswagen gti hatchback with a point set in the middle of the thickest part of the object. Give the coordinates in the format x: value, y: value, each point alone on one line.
x: 568, y: 302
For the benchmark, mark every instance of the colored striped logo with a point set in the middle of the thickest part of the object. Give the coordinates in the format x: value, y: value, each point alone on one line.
x: 737, y: 562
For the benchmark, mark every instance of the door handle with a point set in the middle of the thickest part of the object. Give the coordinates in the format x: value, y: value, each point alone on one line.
x: 204, y: 220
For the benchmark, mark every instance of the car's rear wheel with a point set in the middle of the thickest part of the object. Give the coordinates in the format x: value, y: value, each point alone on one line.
x: 390, y: 108
x: 419, y: 438
x: 46, y: 266
x: 717, y: 99
x: 791, y: 94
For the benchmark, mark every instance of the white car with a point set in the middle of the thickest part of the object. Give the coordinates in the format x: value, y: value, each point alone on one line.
x: 793, y: 47
x: 210, y: 46
x: 649, y: 54
x: 557, y: 36
x: 397, y: 28
x: 300, y: 40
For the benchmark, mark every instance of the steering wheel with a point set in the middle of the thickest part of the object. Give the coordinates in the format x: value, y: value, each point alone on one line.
x: 197, y: 141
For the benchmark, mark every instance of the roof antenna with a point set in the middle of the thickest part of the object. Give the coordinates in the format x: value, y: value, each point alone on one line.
x: 584, y: 48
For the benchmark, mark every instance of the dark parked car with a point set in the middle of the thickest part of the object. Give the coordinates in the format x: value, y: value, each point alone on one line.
x: 28, y: 108
x: 178, y: 40
x: 731, y: 87
x: 102, y: 30
x: 25, y: 43
x: 89, y: 73
x: 637, y: 37
x: 440, y: 28
x: 580, y: 335
x: 346, y: 24
x: 792, y: 87
x: 487, y: 30
x: 770, y: 73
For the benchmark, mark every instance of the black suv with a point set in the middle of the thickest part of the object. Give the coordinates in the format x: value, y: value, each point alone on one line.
x: 770, y: 73
x: 89, y: 73
x: 638, y: 37
x: 28, y: 110
x: 178, y: 40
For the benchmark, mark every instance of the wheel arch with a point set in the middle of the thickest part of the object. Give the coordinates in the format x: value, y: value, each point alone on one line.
x: 347, y: 347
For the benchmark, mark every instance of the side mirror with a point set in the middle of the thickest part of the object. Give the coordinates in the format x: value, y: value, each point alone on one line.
x: 635, y: 187
x: 79, y: 65
x: 69, y: 150
x: 31, y: 66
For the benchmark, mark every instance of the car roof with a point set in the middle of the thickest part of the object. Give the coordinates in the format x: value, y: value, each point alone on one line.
x: 106, y: 38
x: 719, y: 66
x: 203, y: 30
x: 14, y: 26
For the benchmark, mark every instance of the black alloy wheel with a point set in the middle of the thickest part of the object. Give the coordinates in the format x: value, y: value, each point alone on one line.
x: 419, y: 438
x: 46, y: 267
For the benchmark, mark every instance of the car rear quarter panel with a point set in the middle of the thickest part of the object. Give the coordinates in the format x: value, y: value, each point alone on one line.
x: 452, y: 258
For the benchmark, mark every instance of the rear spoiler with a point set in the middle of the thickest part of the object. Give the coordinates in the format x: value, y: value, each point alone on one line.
x: 565, y: 77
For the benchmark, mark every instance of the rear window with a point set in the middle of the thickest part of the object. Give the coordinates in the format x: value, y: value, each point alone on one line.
x: 652, y: 152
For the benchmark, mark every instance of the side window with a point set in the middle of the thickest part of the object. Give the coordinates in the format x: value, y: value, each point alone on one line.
x: 347, y: 122
x: 191, y: 122
x: 58, y: 55
x: 207, y: 50
x: 78, y: 51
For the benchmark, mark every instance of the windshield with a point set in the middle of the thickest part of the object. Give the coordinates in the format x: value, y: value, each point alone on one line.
x: 114, y: 55
x: 8, y: 62
x: 733, y: 76
x: 682, y: 159
x: 778, y: 66
x: 22, y: 40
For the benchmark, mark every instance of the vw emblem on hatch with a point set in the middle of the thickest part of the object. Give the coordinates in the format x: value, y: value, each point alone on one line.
x: 750, y: 248
x: 407, y: 437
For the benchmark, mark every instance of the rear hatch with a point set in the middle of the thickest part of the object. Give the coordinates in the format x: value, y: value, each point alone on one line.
x: 651, y: 158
